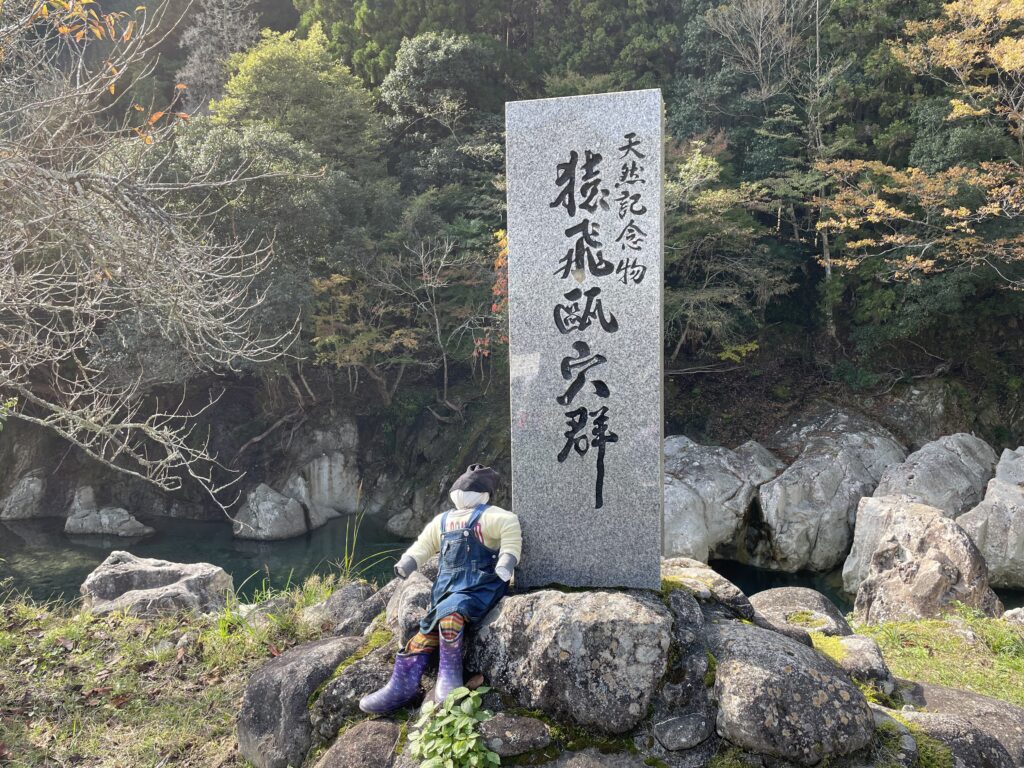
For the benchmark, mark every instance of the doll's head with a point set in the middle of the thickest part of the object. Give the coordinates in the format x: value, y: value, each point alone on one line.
x: 477, y: 479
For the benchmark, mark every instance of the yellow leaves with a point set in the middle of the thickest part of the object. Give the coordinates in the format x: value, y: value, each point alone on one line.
x: 1008, y: 54
x: 960, y: 109
x: 180, y: 87
x: 154, y: 117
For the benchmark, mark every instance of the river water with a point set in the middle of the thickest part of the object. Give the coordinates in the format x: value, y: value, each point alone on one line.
x: 45, y: 562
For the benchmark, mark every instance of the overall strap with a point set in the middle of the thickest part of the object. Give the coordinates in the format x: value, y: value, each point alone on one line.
x: 475, y: 517
x: 444, y: 523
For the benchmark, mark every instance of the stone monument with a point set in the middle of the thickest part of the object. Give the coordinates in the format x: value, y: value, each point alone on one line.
x: 585, y: 223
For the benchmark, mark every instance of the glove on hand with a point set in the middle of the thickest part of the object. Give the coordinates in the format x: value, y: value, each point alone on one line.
x: 506, y: 565
x: 405, y: 567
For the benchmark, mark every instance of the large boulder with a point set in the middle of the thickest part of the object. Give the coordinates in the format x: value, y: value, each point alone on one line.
x: 146, y: 587
x: 923, y: 565
x: 86, y: 519
x: 996, y: 525
x: 274, y: 730
x: 874, y: 516
x: 808, y: 511
x: 369, y: 744
x: 708, y: 492
x: 969, y: 745
x: 862, y: 659
x: 339, y: 701
x: 348, y: 611
x: 317, y: 513
x: 267, y: 515
x: 593, y: 658
x: 949, y: 473
x: 801, y: 608
x: 24, y: 500
x: 707, y: 586
x: 779, y: 698
x: 999, y: 719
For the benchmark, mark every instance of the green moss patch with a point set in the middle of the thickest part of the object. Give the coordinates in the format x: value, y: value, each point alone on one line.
x: 377, y: 639
x: 807, y: 619
x: 709, y: 676
x: 828, y: 646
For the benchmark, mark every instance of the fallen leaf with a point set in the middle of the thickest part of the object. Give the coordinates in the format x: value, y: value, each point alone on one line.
x: 119, y: 701
x: 181, y: 655
x: 274, y: 651
x: 64, y: 643
x: 475, y: 681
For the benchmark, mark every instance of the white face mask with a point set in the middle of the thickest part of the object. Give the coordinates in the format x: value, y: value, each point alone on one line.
x: 468, y: 499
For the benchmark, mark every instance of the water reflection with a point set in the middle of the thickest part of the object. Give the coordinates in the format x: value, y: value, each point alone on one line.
x: 46, y: 562
x: 43, y: 560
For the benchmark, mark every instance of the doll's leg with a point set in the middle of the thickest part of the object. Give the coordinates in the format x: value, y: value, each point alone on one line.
x: 449, y: 674
x: 405, y: 679
x: 423, y: 643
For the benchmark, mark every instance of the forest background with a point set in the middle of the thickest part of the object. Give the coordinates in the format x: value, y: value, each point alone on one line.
x: 843, y: 214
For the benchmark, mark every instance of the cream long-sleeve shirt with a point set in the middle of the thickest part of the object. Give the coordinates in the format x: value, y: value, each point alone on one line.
x: 498, y: 528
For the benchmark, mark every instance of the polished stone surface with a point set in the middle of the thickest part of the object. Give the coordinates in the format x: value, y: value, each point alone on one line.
x: 585, y: 218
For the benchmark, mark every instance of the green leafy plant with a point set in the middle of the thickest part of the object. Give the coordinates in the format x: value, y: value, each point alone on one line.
x: 6, y: 407
x: 446, y: 736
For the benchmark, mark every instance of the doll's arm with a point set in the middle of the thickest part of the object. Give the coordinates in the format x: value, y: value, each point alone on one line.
x: 425, y: 547
x: 510, y: 535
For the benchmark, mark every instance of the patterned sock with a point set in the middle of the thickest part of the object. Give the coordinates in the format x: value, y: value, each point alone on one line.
x: 421, y: 643
x: 451, y: 626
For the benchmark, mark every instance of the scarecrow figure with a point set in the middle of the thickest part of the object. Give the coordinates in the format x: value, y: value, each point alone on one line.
x: 480, y: 545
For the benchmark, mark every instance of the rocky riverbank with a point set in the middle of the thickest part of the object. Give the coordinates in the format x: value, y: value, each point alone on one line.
x: 695, y: 675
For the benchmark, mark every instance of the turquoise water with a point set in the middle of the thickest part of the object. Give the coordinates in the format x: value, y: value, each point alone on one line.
x: 47, y: 563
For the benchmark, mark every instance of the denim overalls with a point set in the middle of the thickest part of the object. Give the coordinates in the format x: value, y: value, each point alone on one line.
x: 466, y: 582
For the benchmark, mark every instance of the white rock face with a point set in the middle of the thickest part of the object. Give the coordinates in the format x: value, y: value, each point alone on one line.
x: 24, y: 500
x: 996, y: 525
x: 334, y: 482
x: 921, y: 568
x: 86, y: 519
x: 949, y: 473
x: 874, y: 516
x: 809, y: 510
x: 268, y: 515
x: 708, y: 491
x: 318, y: 514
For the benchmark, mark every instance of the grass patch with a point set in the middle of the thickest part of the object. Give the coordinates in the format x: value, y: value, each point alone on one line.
x: 931, y: 753
x: 807, y: 619
x: 115, y: 690
x: 828, y: 646
x: 965, y: 650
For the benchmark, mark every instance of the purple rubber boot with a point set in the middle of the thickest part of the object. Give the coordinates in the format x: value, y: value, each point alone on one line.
x: 404, y: 682
x: 449, y: 672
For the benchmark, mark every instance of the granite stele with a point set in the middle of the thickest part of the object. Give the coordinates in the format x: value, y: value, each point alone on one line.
x: 585, y: 307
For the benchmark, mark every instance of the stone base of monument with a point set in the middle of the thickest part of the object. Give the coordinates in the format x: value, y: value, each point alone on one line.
x: 689, y: 676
